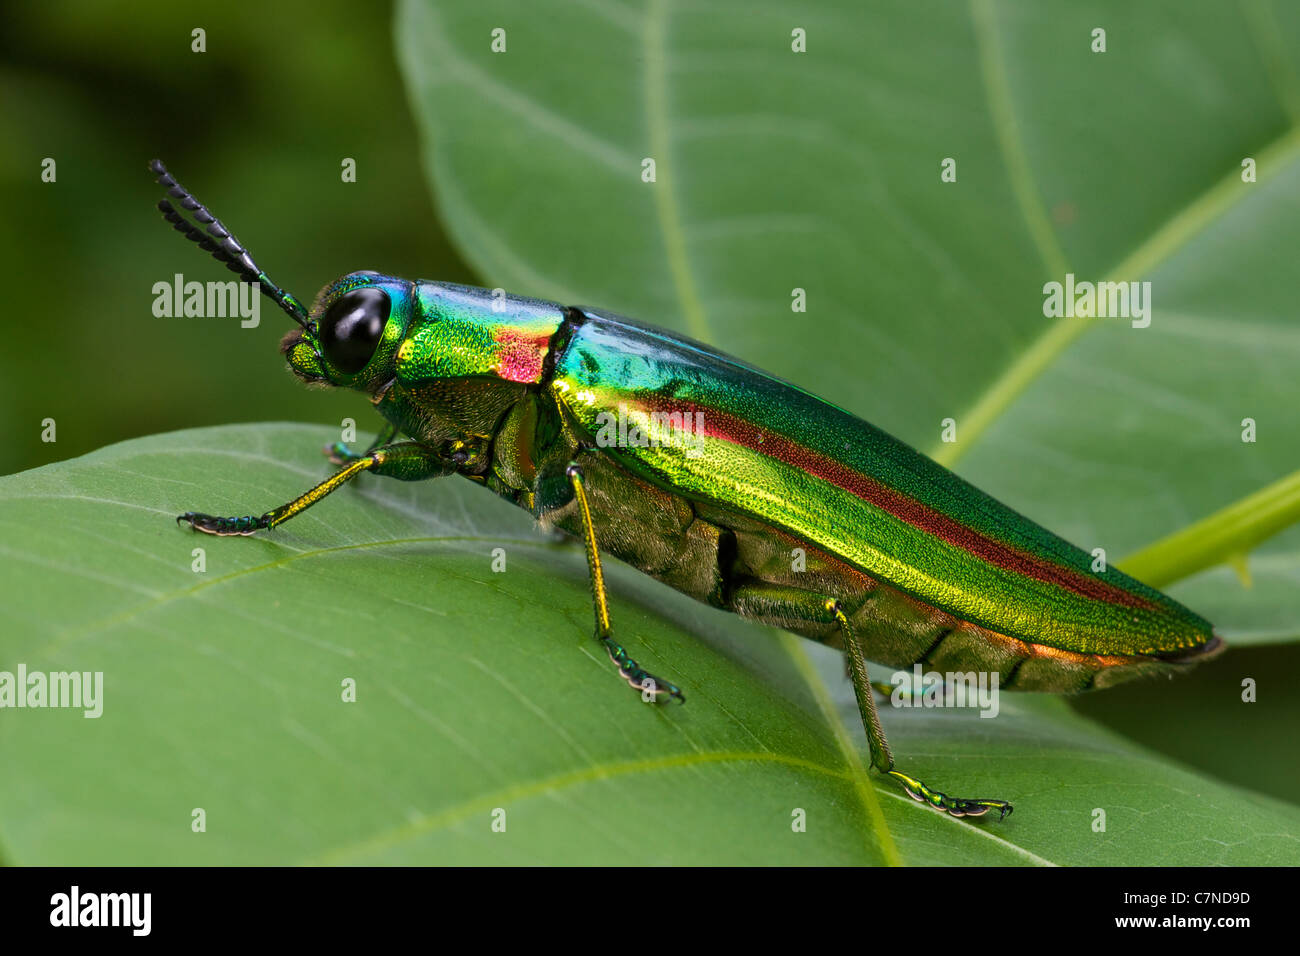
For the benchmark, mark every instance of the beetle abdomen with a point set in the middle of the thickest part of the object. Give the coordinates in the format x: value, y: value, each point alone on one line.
x: 712, y: 553
x: 901, y: 631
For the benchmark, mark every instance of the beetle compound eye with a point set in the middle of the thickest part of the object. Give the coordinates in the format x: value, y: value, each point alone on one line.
x: 351, y: 328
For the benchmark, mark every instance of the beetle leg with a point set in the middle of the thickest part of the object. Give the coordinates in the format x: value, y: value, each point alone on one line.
x: 408, y: 461
x: 628, y: 669
x: 881, y: 757
x: 774, y: 604
x: 340, y: 454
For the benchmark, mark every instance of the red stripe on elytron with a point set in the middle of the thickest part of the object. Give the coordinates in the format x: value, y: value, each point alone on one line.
x: 737, y: 431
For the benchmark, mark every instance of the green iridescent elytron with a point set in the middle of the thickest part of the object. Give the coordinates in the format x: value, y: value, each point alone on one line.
x: 709, y: 475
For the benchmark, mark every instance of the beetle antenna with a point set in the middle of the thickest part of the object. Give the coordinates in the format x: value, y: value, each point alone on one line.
x: 217, y: 239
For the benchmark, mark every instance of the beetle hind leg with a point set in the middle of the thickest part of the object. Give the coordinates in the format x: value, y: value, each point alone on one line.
x: 776, y: 603
x: 881, y: 757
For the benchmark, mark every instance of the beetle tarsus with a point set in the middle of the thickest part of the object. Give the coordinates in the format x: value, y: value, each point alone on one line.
x: 956, y: 806
x: 222, y: 527
x: 339, y: 453
x: 638, y: 678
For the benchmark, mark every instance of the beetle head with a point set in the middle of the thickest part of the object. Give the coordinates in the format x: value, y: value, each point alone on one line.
x: 460, y: 352
x: 353, y: 334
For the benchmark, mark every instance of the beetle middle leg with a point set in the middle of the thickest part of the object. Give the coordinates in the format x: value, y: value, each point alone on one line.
x: 628, y: 669
x: 774, y: 602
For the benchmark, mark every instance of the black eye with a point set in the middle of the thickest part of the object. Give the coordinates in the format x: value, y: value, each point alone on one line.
x: 351, y: 328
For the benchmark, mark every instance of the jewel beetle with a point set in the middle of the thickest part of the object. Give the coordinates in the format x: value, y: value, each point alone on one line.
x: 708, y: 474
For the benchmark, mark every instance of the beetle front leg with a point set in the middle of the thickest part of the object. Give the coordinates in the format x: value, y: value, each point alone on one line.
x: 774, y: 602
x: 628, y: 669
x: 408, y: 461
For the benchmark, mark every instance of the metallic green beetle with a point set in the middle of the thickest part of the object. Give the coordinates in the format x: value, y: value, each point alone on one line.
x: 709, y: 475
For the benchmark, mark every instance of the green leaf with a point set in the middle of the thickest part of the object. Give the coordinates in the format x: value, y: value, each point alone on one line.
x: 478, y: 690
x: 778, y: 170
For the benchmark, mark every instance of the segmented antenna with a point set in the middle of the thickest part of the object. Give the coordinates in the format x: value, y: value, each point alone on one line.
x: 216, y: 239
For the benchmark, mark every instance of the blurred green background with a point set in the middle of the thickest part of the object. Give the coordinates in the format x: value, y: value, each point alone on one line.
x: 257, y: 127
